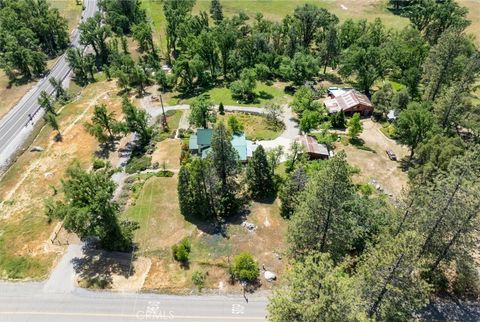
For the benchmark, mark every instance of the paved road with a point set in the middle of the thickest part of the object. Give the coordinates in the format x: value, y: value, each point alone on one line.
x: 16, y: 125
x: 29, y: 302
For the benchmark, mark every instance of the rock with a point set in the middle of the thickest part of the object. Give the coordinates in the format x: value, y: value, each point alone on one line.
x: 37, y: 149
x: 48, y: 174
x: 270, y: 276
x: 250, y: 227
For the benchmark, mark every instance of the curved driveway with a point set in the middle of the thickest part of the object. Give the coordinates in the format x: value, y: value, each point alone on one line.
x: 285, y: 139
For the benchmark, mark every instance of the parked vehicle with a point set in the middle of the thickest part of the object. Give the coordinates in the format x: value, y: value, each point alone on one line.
x: 391, y: 155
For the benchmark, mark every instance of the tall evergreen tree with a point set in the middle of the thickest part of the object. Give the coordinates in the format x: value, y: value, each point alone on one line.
x: 197, y: 189
x: 291, y: 192
x: 389, y: 277
x: 259, y: 175
x: 322, y: 221
x: 216, y: 11
x: 317, y: 290
x: 225, y: 163
x: 445, y: 62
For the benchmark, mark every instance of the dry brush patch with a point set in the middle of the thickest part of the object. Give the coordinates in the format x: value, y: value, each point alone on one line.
x: 376, y: 165
x: 23, y: 189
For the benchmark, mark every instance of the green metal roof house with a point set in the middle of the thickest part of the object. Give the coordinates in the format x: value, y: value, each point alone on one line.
x: 200, y: 143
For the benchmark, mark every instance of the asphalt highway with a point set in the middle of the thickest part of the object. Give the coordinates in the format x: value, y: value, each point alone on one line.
x: 30, y: 302
x: 16, y: 124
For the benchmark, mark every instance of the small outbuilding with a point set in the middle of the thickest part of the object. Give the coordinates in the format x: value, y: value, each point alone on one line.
x: 314, y: 149
x: 350, y: 102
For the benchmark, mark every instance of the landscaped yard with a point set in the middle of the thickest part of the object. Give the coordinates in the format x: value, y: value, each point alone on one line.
x: 256, y: 127
x: 23, y: 224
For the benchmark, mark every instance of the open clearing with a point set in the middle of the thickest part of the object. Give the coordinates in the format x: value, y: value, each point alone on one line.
x: 23, y: 189
x: 162, y: 225
x: 376, y: 165
x: 263, y: 94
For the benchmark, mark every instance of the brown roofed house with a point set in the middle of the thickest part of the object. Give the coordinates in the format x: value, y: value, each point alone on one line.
x: 350, y: 102
x: 314, y: 149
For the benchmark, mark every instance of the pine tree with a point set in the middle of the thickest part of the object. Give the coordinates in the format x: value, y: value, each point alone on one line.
x: 389, y: 277
x: 259, y: 175
x: 322, y: 221
x: 444, y: 63
x: 291, y: 191
x: 197, y: 189
x: 221, y: 109
x: 449, y: 226
x: 216, y: 11
x: 317, y: 290
x: 225, y: 163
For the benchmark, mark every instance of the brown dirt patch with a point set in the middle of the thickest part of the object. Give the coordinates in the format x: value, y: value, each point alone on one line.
x: 377, y: 165
x: 167, y: 153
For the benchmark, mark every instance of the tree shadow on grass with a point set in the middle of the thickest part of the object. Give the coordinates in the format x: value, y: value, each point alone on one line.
x: 332, y: 78
x: 97, y: 267
x: 405, y: 164
x: 264, y: 95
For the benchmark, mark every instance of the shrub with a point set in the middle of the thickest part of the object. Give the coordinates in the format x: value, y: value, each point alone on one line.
x: 181, y: 251
x: 366, y: 189
x: 235, y: 126
x: 245, y: 268
x: 138, y: 164
x: 98, y: 163
x: 198, y: 278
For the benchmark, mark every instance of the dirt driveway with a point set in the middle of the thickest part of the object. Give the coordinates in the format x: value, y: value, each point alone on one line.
x: 376, y: 165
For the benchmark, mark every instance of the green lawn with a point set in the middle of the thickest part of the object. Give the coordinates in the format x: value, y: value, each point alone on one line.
x: 154, y: 10
x: 255, y: 126
x: 264, y: 94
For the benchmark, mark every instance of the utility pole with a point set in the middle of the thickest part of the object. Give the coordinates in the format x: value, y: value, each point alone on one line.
x: 164, y: 118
